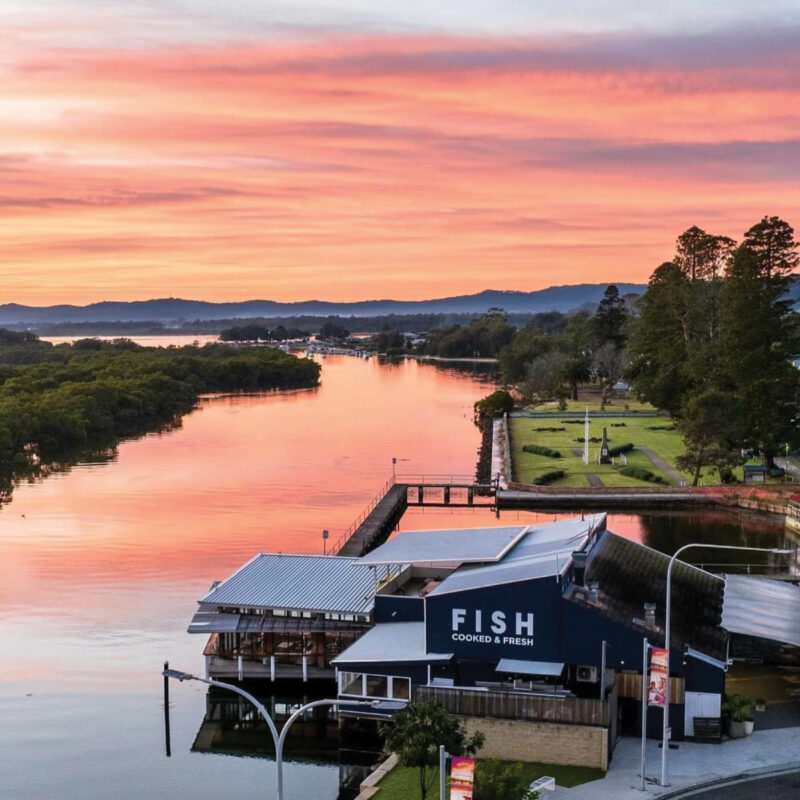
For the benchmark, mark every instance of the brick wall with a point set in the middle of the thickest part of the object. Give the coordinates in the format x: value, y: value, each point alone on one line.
x: 546, y: 742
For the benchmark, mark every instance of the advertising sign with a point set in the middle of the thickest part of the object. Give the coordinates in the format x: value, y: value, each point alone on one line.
x: 462, y: 778
x: 659, y: 674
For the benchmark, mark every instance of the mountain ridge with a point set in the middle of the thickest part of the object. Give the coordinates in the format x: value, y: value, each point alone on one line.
x: 167, y: 309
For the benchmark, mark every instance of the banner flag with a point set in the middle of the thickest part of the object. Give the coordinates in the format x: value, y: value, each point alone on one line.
x: 659, y: 674
x: 462, y: 778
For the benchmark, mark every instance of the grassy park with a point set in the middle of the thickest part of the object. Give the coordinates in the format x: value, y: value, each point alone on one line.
x: 654, y: 438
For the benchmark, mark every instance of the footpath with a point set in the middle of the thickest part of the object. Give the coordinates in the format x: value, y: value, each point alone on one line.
x: 689, y: 765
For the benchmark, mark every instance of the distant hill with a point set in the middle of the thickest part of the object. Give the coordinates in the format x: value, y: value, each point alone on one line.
x: 555, y: 298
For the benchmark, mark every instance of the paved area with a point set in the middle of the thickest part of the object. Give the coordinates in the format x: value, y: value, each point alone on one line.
x: 690, y: 764
x: 594, y: 480
x: 659, y: 463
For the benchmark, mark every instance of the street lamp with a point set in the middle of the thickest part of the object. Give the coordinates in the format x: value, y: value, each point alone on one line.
x: 278, y: 739
x: 665, y: 724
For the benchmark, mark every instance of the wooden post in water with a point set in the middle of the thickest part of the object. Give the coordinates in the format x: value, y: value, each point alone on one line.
x: 166, y: 711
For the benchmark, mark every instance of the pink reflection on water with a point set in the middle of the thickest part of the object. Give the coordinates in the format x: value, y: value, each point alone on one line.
x: 243, y: 474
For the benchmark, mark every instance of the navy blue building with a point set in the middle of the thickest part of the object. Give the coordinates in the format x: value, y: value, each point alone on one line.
x: 537, y: 612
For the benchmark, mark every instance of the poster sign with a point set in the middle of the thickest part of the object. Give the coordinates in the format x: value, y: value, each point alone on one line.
x: 462, y: 778
x: 659, y: 673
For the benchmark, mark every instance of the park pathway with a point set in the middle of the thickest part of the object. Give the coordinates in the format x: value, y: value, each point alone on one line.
x: 594, y: 480
x: 659, y: 463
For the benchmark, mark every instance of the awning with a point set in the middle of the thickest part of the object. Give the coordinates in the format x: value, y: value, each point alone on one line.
x: 219, y: 622
x: 761, y: 607
x: 516, y: 666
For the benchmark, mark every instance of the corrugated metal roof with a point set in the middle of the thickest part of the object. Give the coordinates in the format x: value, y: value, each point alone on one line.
x: 447, y: 546
x: 299, y: 582
x: 390, y: 642
x: 545, y: 550
x: 762, y: 607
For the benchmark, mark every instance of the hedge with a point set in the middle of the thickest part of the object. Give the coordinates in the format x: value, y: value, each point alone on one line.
x: 642, y: 474
x: 549, y: 477
x: 620, y: 449
x: 541, y: 451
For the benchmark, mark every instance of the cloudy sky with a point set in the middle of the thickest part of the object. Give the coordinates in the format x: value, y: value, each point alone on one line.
x: 351, y: 149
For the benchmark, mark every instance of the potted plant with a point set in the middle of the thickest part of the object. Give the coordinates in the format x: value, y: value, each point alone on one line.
x: 740, y: 709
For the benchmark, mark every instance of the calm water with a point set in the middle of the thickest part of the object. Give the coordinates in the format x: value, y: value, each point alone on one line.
x: 101, y: 568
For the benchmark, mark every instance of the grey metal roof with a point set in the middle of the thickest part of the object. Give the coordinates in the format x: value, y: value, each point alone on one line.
x: 447, y: 546
x: 325, y: 584
x: 390, y: 642
x: 762, y: 607
x: 518, y: 666
x: 544, y: 550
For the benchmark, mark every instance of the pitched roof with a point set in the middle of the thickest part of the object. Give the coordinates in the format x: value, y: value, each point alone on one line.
x: 324, y: 584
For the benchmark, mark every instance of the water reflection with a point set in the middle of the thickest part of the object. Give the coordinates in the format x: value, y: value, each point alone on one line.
x: 232, y: 726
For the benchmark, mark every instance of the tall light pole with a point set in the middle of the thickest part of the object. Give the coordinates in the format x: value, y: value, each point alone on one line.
x: 278, y: 739
x: 665, y: 724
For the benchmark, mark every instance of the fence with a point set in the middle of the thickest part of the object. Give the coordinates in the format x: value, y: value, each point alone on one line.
x: 509, y: 705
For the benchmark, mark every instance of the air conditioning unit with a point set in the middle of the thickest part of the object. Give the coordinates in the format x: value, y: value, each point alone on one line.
x: 587, y: 675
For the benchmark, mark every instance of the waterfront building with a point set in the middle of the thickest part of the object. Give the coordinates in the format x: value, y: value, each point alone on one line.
x: 536, y: 628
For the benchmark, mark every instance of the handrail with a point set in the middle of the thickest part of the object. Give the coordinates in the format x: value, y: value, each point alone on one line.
x: 343, y: 539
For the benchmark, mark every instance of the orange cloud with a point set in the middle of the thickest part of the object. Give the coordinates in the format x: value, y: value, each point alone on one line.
x: 406, y: 166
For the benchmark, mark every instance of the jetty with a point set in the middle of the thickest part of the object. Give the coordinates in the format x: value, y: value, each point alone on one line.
x: 380, y: 517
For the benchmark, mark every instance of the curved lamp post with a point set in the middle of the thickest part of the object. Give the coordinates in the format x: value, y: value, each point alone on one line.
x: 278, y: 739
x: 665, y: 724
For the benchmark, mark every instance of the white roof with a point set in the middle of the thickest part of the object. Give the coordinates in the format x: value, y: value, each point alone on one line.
x: 388, y: 642
x: 545, y: 550
x: 762, y: 607
x: 323, y: 584
x: 458, y: 546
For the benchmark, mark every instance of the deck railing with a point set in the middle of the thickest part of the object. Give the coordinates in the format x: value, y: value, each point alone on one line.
x: 517, y: 705
x: 345, y: 537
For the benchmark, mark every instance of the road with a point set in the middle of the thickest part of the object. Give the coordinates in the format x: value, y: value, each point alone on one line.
x: 781, y: 787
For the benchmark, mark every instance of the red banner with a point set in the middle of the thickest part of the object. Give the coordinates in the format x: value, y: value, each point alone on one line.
x: 659, y: 674
x: 462, y: 778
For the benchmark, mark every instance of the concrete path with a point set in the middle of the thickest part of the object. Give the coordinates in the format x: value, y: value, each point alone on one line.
x: 690, y: 764
x: 594, y: 480
x: 659, y: 463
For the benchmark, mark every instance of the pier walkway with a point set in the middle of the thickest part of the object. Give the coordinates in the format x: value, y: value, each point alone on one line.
x: 381, y: 516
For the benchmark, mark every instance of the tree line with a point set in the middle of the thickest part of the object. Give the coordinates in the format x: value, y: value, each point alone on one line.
x: 711, y: 342
x: 57, y: 401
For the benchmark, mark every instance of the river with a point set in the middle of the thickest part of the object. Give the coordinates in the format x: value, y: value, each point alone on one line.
x: 101, y: 567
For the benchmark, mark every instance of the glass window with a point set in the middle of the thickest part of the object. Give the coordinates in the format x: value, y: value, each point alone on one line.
x: 401, y: 688
x: 377, y: 686
x: 352, y: 683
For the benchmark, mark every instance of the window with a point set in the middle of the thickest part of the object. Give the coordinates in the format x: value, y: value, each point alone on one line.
x: 351, y: 683
x: 401, y: 688
x: 377, y: 686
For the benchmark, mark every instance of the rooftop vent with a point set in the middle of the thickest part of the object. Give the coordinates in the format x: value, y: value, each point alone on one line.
x: 650, y: 615
x: 594, y: 591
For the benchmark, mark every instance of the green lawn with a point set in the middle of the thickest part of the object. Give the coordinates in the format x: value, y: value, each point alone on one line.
x: 668, y: 444
x: 402, y: 783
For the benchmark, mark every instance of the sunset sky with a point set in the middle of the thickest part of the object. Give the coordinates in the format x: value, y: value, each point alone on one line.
x: 352, y: 149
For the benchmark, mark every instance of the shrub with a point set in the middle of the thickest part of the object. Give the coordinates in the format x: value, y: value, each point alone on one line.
x: 618, y: 425
x: 726, y: 475
x: 494, y: 405
x: 548, y: 430
x: 496, y: 779
x: 642, y: 474
x: 660, y: 428
x: 541, y: 451
x: 620, y: 449
x: 592, y: 439
x: 549, y: 477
